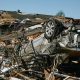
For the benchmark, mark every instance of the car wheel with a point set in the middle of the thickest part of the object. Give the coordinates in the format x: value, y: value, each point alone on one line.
x: 49, y: 29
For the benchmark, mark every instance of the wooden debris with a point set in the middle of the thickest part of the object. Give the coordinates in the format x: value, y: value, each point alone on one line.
x: 24, y: 77
x: 13, y: 78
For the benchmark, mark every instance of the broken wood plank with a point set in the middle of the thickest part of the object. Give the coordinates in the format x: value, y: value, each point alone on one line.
x: 23, y: 76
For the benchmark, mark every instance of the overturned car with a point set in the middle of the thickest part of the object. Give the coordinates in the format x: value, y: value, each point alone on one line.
x: 67, y: 36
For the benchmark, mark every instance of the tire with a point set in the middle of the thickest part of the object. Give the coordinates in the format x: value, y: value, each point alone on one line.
x: 53, y: 28
x: 49, y: 29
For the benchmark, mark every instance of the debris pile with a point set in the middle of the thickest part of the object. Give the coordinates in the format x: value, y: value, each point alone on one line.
x: 41, y: 52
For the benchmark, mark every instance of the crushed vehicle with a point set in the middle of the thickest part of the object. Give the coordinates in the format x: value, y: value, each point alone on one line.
x: 67, y: 36
x: 68, y: 33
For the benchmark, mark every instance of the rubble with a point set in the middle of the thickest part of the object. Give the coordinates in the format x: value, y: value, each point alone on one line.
x: 32, y: 53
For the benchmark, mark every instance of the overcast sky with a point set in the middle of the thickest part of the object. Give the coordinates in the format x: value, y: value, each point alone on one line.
x: 71, y: 8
